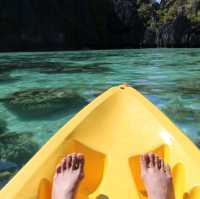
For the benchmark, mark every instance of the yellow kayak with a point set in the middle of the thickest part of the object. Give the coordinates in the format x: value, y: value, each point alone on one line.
x: 112, y: 132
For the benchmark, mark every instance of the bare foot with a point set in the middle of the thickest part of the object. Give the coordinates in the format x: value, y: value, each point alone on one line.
x: 67, y: 177
x: 157, y: 177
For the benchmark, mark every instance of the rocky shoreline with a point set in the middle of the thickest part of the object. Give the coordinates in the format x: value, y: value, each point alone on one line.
x: 91, y: 24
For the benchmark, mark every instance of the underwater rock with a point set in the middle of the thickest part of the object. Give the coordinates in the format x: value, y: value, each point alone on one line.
x: 7, y: 166
x: 27, y: 63
x: 5, y: 177
x: 73, y: 69
x: 196, y: 139
x: 15, y: 150
x: 43, y: 102
x: 49, y: 67
x: 177, y: 111
x: 6, y: 78
x: 197, y: 142
x: 6, y: 67
x: 17, y: 147
x: 3, y: 77
x: 189, y: 86
x: 3, y: 126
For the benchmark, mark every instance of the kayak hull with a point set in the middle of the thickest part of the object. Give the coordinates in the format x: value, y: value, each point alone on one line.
x: 112, y: 132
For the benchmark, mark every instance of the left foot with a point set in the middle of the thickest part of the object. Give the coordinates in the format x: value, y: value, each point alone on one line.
x: 68, y: 176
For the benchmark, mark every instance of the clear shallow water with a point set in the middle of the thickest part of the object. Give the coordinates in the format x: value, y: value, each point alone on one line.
x: 170, y: 78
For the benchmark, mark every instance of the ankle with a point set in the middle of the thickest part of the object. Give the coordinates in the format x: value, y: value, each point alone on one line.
x: 69, y: 195
x: 155, y: 195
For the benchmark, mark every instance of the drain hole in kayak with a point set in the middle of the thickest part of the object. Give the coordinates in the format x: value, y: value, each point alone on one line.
x: 102, y: 197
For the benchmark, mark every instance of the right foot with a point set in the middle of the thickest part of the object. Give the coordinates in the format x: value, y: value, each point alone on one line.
x: 157, y: 177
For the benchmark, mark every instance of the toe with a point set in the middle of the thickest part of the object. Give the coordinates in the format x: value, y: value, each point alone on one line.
x: 63, y: 165
x: 58, y: 169
x: 81, y: 161
x: 157, y: 162
x: 152, y: 160
x: 147, y: 159
x: 74, y: 161
x: 80, y: 158
x: 69, y: 161
x: 162, y: 165
x: 144, y: 160
x: 77, y: 162
x: 168, y: 170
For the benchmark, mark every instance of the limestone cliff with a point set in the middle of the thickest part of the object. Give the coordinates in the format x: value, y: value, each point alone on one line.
x: 98, y: 24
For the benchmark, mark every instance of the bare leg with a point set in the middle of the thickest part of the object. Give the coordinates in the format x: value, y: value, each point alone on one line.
x: 67, y: 177
x: 157, y: 177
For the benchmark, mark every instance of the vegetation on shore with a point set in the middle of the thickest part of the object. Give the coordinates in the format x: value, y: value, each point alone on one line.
x: 89, y: 24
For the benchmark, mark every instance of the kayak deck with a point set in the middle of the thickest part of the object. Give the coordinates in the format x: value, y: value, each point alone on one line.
x: 112, y: 132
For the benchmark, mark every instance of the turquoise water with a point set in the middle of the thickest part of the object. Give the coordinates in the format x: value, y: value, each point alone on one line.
x: 170, y: 78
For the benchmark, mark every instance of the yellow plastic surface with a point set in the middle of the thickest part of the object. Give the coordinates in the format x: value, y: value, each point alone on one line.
x: 112, y: 132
